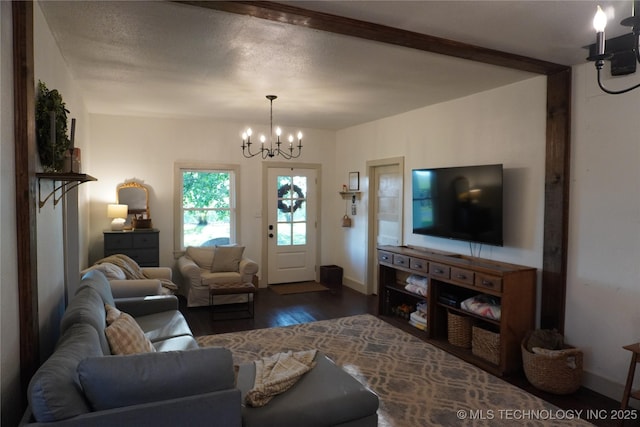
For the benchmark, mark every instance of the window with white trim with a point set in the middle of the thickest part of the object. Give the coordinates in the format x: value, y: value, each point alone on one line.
x: 207, y: 205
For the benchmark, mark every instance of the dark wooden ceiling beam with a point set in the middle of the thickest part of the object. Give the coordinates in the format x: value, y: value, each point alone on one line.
x: 381, y: 33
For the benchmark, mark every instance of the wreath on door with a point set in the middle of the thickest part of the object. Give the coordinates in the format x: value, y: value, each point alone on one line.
x: 282, y: 191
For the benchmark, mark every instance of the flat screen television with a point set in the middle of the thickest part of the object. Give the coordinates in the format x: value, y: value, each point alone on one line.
x: 462, y: 203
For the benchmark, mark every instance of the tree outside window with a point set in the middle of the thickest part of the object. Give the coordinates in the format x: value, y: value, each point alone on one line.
x: 208, y: 207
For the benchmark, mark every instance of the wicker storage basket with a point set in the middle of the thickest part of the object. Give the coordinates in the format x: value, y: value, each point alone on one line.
x: 558, y: 372
x: 459, y: 330
x: 486, y: 344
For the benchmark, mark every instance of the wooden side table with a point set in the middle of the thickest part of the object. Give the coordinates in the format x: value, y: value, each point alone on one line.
x: 234, y: 288
x: 628, y: 393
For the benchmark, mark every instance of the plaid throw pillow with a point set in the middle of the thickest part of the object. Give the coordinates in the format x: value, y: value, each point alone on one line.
x: 126, y: 337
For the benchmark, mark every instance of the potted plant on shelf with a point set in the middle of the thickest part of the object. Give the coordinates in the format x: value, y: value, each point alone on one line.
x: 51, y: 128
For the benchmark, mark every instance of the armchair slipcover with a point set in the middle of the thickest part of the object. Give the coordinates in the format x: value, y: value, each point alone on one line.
x: 203, y: 266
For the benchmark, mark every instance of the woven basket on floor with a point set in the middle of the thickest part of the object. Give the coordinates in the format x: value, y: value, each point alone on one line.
x: 486, y: 344
x: 459, y: 330
x: 558, y: 372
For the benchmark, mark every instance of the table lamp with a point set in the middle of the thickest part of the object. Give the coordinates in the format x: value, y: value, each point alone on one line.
x: 119, y: 214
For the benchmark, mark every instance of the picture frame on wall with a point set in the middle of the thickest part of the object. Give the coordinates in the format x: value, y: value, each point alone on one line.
x: 354, y: 181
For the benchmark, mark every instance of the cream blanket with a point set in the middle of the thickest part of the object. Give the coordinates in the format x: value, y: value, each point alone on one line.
x: 132, y: 270
x: 276, y: 374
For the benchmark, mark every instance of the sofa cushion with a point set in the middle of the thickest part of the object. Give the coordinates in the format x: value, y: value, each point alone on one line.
x: 184, y: 342
x: 226, y: 258
x: 126, y: 337
x: 201, y: 256
x: 324, y: 396
x: 54, y: 391
x: 87, y: 307
x: 163, y: 325
x: 119, y: 381
x: 97, y: 281
x: 208, y: 279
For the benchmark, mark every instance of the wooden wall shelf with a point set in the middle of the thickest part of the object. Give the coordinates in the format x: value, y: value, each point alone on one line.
x: 67, y: 181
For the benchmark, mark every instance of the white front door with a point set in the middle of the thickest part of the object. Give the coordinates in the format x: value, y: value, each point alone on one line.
x: 292, y: 224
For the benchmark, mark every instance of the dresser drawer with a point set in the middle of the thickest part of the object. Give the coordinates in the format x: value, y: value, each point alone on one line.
x: 118, y: 241
x: 440, y: 270
x: 401, y: 260
x: 144, y: 257
x: 145, y: 240
x: 489, y: 282
x: 461, y: 275
x: 419, y: 264
x: 384, y: 256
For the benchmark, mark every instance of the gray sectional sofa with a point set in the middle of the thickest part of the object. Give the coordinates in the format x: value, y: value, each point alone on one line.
x: 82, y: 384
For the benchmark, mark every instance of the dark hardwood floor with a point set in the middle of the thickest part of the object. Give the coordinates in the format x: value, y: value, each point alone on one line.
x: 273, y: 310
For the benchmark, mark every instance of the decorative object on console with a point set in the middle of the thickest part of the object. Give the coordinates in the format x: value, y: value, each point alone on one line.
x: 51, y: 128
x: 354, y: 181
x: 271, y: 151
x: 119, y: 214
x: 623, y: 51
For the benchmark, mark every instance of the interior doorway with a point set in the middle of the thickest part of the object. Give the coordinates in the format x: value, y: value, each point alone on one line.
x: 386, y: 211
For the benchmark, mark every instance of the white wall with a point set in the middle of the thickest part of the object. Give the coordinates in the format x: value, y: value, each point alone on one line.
x: 9, y: 320
x: 603, y: 292
x: 145, y: 149
x: 495, y: 126
x: 51, y: 69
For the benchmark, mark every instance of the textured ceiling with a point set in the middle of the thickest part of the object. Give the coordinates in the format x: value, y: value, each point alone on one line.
x: 177, y: 60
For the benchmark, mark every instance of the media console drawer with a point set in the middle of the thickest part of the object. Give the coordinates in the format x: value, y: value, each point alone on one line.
x: 462, y: 275
x: 419, y: 265
x: 489, y: 282
x: 384, y: 256
x: 440, y: 270
x: 401, y: 260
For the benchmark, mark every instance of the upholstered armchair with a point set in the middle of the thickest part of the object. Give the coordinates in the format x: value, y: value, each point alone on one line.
x: 204, y: 266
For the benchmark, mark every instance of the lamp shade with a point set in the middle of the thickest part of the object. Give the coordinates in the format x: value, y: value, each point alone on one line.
x: 117, y: 211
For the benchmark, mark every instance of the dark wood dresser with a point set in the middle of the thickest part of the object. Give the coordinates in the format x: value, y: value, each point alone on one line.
x: 143, y: 246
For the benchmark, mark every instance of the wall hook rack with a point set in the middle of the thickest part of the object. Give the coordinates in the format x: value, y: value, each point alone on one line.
x: 67, y: 182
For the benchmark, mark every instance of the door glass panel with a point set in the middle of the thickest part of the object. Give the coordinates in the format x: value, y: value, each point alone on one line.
x: 284, y: 234
x: 299, y: 233
x: 292, y: 210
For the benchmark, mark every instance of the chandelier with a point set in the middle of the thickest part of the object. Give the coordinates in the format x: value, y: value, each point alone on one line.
x: 623, y: 66
x: 274, y: 147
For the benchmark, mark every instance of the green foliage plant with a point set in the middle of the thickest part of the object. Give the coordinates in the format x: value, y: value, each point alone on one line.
x: 51, y: 155
x: 208, y: 191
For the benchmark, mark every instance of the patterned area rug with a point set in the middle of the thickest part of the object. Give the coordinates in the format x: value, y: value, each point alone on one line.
x: 417, y: 383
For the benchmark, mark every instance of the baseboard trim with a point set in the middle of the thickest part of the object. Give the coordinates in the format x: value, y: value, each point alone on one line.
x: 606, y: 387
x: 355, y: 285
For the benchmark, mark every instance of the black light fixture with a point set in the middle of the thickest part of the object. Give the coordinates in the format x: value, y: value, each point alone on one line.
x: 624, y: 51
x: 287, y: 153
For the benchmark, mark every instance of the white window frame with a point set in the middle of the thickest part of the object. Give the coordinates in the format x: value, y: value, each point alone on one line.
x: 179, y: 168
